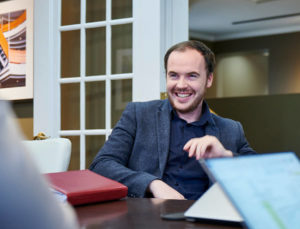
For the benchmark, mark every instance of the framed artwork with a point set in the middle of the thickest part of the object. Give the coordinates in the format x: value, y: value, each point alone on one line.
x: 16, y: 50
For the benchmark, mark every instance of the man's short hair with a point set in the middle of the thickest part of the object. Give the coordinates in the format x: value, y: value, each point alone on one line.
x: 208, y: 55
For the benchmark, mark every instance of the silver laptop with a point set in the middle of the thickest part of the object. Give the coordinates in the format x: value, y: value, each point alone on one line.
x: 213, y: 206
x: 264, y: 188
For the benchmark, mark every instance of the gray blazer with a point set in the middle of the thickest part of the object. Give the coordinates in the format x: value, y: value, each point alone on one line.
x: 137, y: 150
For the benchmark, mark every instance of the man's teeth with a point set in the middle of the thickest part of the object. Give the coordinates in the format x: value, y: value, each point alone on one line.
x: 183, y: 95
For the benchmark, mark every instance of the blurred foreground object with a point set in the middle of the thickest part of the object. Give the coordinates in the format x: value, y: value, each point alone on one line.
x: 26, y: 201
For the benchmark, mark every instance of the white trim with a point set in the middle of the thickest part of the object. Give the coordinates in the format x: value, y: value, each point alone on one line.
x: 82, y: 83
x: 69, y: 80
x: 174, y: 29
x: 70, y: 27
x: 91, y: 25
x: 146, y: 50
x: 97, y: 24
x: 120, y: 21
x: 45, y: 110
x: 56, y: 61
x: 121, y: 76
x: 167, y: 23
x: 83, y: 132
x: 82, y: 151
x: 108, y: 69
x: 95, y: 78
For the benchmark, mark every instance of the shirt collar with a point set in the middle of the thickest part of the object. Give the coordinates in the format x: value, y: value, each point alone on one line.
x: 205, y: 116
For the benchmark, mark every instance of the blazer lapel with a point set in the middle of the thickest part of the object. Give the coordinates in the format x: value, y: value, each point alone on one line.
x: 163, y: 135
x: 211, y: 129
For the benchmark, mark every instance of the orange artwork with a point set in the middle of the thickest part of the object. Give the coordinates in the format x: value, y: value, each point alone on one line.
x: 13, y: 49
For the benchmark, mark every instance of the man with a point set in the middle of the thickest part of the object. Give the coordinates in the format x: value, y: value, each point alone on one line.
x: 155, y: 146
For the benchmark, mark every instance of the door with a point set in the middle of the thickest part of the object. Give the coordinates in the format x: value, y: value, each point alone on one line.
x: 92, y: 58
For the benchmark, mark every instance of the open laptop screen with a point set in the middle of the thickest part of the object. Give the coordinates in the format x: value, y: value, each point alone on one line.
x: 264, y: 188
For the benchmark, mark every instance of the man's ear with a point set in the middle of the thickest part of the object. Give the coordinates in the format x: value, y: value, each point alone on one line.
x: 210, y: 79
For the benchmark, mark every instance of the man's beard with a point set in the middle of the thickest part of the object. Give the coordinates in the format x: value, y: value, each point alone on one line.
x: 195, y: 104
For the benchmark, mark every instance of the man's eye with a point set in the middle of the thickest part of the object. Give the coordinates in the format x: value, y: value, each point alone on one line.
x: 193, y: 75
x: 173, y: 75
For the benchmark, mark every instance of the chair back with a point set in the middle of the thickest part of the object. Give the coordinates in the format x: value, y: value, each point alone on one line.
x: 50, y: 155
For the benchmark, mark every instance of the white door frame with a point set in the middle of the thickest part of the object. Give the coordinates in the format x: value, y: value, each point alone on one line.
x: 158, y: 25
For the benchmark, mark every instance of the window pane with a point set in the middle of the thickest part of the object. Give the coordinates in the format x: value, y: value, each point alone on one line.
x: 75, y: 153
x: 95, y: 51
x: 70, y: 12
x: 70, y: 113
x: 93, y: 145
x: 95, y: 105
x: 70, y: 53
x: 95, y: 10
x: 121, y: 94
x: 121, y: 9
x: 121, y: 56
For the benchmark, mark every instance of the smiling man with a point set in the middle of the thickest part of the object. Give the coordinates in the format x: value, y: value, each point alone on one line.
x: 155, y: 147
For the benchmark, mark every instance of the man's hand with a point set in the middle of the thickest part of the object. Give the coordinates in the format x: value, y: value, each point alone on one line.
x: 160, y: 189
x: 206, y: 147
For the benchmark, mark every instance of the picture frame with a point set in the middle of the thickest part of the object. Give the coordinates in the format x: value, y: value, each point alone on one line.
x: 16, y: 50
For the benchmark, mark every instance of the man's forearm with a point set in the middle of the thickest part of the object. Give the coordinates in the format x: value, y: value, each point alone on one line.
x: 160, y: 189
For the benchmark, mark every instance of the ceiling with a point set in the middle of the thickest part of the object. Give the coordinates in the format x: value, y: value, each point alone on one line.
x: 214, y: 20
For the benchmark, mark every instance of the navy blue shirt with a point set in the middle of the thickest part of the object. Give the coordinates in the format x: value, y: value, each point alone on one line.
x: 183, y: 173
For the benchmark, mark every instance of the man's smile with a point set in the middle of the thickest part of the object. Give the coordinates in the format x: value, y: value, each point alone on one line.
x: 182, y: 95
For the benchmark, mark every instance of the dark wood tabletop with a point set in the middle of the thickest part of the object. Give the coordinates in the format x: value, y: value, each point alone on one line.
x: 138, y: 213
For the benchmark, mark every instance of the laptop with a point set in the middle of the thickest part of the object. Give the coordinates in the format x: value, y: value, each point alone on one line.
x: 264, y: 188
x: 214, y: 207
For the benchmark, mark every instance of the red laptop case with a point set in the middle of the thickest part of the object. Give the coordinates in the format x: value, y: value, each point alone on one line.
x: 85, y: 186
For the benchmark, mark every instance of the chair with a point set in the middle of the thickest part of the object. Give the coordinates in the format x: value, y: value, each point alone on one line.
x: 50, y: 155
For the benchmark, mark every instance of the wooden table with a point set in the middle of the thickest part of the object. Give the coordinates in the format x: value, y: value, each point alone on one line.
x: 137, y: 213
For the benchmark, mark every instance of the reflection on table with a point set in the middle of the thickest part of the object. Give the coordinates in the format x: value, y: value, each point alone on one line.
x: 137, y: 213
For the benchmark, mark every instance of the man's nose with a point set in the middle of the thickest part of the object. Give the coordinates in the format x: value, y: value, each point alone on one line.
x: 181, y: 82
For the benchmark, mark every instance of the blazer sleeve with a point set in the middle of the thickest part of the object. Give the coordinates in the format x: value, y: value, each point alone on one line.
x: 243, y: 146
x: 232, y: 136
x: 112, y: 160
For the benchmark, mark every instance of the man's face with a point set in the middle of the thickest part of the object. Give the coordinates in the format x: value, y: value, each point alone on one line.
x: 187, y: 80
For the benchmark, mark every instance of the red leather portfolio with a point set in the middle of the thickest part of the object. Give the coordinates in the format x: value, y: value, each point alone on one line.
x: 85, y: 186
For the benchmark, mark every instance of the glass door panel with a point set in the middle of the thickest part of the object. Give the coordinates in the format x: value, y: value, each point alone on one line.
x: 70, y: 53
x: 70, y: 108
x: 121, y: 94
x: 70, y: 10
x: 95, y: 10
x: 95, y: 105
x: 121, y: 9
x: 95, y: 51
x: 121, y: 57
x: 93, y: 145
x: 75, y: 155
